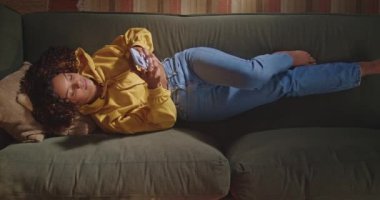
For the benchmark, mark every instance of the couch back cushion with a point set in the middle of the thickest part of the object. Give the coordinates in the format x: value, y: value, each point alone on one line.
x: 328, y: 37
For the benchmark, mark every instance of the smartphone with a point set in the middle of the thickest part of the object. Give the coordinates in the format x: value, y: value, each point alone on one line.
x: 139, y: 60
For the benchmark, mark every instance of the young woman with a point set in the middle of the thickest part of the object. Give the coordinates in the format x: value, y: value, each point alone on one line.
x: 201, y: 84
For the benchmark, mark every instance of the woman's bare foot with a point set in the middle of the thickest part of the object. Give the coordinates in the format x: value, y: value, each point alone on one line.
x: 300, y: 57
x: 370, y: 67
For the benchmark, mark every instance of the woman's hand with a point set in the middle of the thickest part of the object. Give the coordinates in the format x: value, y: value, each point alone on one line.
x: 154, y: 75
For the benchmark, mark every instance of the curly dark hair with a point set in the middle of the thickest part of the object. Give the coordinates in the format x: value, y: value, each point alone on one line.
x: 53, y: 112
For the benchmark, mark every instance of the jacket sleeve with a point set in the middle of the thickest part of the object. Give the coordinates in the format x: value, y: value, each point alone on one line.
x: 159, y: 114
x: 113, y: 59
x: 139, y: 37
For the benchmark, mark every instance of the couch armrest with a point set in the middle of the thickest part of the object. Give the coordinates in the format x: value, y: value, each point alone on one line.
x: 11, y: 48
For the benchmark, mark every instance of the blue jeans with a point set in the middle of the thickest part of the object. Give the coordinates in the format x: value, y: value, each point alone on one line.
x: 208, y: 84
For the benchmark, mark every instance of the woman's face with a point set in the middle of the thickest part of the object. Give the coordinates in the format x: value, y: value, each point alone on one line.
x: 75, y: 88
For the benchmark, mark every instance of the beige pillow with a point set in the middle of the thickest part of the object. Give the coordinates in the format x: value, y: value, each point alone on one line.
x: 15, y: 112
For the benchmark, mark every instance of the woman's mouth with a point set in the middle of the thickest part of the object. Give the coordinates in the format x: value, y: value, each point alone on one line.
x: 85, y: 84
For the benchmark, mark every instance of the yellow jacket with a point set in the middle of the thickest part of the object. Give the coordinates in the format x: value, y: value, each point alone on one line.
x: 126, y: 105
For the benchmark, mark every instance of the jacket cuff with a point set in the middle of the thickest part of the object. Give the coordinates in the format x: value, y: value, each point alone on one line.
x: 158, y: 95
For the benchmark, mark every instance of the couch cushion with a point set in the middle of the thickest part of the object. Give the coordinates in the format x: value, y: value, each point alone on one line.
x: 170, y: 164
x: 327, y: 37
x: 306, y: 163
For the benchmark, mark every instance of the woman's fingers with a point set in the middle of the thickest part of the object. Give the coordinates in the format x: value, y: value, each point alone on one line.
x: 151, y: 75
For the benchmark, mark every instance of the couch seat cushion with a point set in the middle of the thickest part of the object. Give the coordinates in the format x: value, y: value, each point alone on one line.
x: 307, y: 163
x: 170, y: 164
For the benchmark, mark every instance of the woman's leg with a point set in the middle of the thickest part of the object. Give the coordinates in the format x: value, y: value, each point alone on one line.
x: 320, y: 79
x: 206, y: 102
x: 219, y: 68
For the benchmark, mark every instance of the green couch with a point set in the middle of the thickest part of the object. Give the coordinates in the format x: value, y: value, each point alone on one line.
x: 321, y: 147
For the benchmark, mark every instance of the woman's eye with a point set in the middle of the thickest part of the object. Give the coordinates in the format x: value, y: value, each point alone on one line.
x: 70, y: 77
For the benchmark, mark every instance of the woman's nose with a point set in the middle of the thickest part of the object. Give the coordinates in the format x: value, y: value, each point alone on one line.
x: 78, y: 84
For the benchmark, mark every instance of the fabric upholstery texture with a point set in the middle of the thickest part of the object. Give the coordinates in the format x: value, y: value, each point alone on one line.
x: 164, y: 165
x: 232, y: 33
x: 306, y: 163
x: 11, y: 41
x: 303, y: 162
